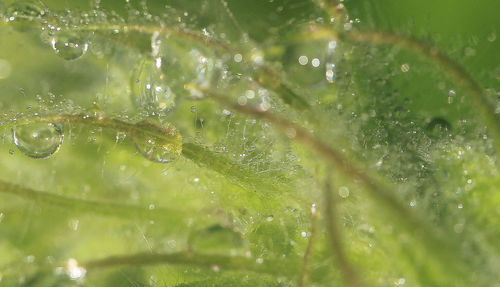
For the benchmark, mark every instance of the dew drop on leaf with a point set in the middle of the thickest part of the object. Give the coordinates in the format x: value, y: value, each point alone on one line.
x: 437, y: 127
x: 330, y: 58
x: 150, y: 91
x: 69, y: 46
x: 27, y: 10
x: 39, y: 140
x: 158, y: 143
x: 344, y: 191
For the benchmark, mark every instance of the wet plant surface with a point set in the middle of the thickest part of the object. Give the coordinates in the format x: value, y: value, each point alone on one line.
x: 249, y: 143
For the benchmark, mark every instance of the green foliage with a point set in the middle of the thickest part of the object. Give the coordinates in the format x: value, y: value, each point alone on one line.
x: 249, y: 143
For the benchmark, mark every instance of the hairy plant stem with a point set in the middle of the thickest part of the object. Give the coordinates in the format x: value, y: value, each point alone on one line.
x: 440, y: 243
x: 240, y: 175
x: 273, y: 267
x: 79, y: 205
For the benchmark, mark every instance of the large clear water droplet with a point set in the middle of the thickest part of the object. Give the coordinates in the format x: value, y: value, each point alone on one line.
x: 150, y: 91
x: 437, y: 127
x: 25, y: 10
x: 39, y: 140
x: 69, y: 46
x: 186, y: 65
x: 158, y: 142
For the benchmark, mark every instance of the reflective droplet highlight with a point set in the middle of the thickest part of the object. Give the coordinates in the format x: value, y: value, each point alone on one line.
x: 75, y: 271
x: 39, y: 140
x: 330, y: 65
x: 158, y: 143
x: 69, y: 46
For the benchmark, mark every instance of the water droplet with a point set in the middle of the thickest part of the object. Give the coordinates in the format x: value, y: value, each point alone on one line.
x: 329, y: 65
x: 158, y: 143
x: 330, y: 73
x: 69, y: 46
x: 405, y: 68
x: 437, y: 127
x: 344, y: 191
x: 348, y: 26
x: 451, y: 96
x: 25, y: 10
x: 238, y: 58
x: 303, y: 60
x: 217, y: 238
x: 120, y: 136
x: 150, y: 91
x: 39, y: 140
x: 74, y: 271
x: 30, y: 258
x: 315, y: 62
x: 73, y: 224
x: 401, y: 281
x: 492, y: 36
x: 458, y: 228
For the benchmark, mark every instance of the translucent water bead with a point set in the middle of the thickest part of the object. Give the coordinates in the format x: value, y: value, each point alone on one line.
x: 38, y: 140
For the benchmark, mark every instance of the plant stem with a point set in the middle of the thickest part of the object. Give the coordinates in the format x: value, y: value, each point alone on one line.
x: 304, y: 275
x: 350, y: 275
x: 89, y: 206
x: 440, y: 244
x: 239, y: 174
x: 194, y: 259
